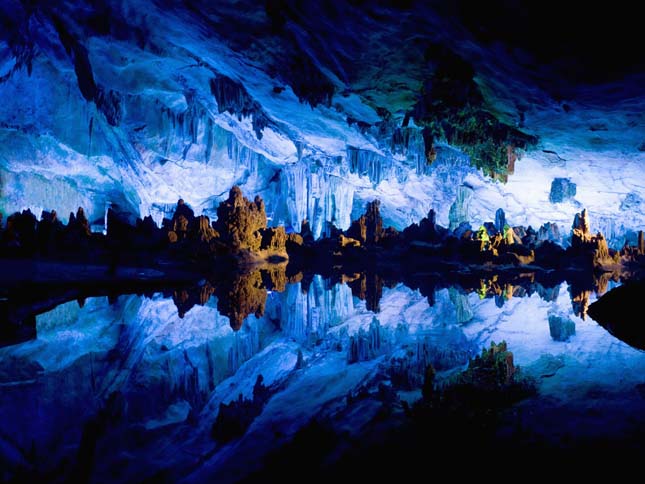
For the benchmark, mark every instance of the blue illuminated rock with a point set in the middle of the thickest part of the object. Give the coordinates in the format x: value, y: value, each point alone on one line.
x: 500, y: 220
x: 561, y: 328
x: 562, y: 190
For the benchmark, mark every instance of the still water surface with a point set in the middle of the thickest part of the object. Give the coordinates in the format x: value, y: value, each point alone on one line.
x: 130, y: 387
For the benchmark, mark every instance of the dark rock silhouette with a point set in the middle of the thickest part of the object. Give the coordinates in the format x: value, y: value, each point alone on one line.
x: 20, y: 232
x: 369, y: 288
x: 118, y: 228
x: 236, y: 416
x: 50, y: 232
x: 306, y: 233
x: 231, y: 96
x: 183, y: 210
x: 368, y: 229
x: 618, y: 312
x: 78, y: 225
x: 426, y: 230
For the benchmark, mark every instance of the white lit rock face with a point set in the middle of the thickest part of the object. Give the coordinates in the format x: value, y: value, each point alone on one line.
x: 145, y: 106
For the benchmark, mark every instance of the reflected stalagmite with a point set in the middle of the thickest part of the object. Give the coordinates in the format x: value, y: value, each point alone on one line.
x: 242, y: 296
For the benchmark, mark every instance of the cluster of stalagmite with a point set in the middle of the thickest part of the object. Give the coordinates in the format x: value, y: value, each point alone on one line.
x: 241, y: 231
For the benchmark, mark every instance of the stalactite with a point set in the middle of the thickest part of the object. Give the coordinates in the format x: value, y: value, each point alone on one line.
x: 369, y: 164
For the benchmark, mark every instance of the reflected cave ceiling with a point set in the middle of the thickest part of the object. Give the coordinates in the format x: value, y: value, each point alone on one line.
x: 322, y: 106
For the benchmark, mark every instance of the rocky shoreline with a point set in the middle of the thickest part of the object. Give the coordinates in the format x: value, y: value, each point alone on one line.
x: 238, y: 258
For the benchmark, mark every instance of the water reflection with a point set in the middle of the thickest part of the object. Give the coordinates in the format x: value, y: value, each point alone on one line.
x: 132, y: 379
x: 240, y: 294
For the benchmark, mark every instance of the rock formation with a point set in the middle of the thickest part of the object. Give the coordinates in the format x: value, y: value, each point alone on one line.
x: 562, y: 190
x: 183, y: 210
x: 306, y: 233
x: 548, y: 231
x: 239, y: 221
x: 235, y: 417
x: 459, y: 210
x: 368, y: 229
x: 581, y: 233
x: 601, y: 252
x: 347, y: 242
x: 583, y: 242
x: 365, y: 345
x: 182, y: 221
x: 494, y: 369
x: 50, y: 231
x: 274, y: 239
x: 373, y: 222
x: 426, y: 230
x: 21, y: 231
x: 202, y: 230
x: 180, y: 227
x: 294, y: 239
x: 616, y: 311
x: 79, y: 224
x: 500, y: 220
